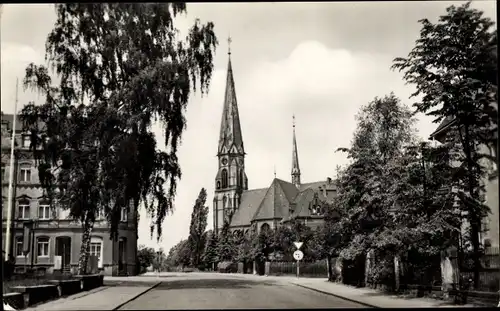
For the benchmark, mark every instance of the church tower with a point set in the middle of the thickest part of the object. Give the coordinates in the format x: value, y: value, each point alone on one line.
x: 295, y: 160
x: 231, y: 179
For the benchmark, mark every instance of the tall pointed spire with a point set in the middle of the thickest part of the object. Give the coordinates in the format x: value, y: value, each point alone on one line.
x: 295, y: 160
x: 230, y: 139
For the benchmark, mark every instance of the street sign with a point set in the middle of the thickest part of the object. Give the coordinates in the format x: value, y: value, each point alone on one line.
x: 298, y: 245
x: 298, y: 255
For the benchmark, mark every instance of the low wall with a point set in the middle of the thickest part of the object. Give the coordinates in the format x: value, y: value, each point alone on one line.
x: 24, y: 296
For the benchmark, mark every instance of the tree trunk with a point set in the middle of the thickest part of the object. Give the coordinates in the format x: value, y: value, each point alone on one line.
x: 85, y: 247
x: 475, y: 219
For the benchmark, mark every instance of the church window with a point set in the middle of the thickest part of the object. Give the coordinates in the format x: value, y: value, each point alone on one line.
x: 224, y: 178
x: 218, y: 184
x: 265, y: 227
x: 224, y: 199
x: 240, y: 178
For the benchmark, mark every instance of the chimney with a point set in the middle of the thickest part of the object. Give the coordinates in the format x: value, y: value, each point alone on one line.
x: 329, y: 180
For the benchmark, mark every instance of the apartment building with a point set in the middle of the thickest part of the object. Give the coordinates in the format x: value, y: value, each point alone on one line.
x: 55, y: 234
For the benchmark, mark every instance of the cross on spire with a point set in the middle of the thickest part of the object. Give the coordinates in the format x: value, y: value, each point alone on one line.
x: 293, y: 122
x: 229, y: 40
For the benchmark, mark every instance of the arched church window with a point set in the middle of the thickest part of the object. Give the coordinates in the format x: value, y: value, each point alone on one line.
x: 224, y: 178
x: 224, y: 200
x: 218, y: 184
x: 265, y: 227
x: 240, y: 178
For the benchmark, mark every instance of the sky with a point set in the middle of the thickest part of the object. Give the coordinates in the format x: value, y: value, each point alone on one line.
x: 319, y: 61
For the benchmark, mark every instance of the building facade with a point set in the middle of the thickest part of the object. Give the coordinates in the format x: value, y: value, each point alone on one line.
x: 489, y: 236
x: 55, y: 234
x: 268, y: 207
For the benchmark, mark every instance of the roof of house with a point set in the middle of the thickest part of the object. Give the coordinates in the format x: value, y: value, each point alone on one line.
x: 445, y: 124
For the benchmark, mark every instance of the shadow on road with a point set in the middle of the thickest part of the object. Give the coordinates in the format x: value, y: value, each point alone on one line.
x: 213, y: 284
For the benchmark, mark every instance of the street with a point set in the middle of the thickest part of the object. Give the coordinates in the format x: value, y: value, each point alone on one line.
x: 226, y: 291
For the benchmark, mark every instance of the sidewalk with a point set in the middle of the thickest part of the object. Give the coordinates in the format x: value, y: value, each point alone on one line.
x: 371, y: 297
x: 102, y: 298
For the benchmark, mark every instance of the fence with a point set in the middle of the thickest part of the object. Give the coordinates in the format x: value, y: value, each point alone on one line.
x: 489, y: 275
x: 317, y: 269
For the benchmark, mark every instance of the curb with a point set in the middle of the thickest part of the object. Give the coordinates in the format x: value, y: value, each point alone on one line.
x: 136, y: 296
x: 337, y: 296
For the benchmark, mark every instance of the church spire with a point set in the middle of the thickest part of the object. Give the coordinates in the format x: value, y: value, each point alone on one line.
x: 230, y: 138
x: 295, y: 160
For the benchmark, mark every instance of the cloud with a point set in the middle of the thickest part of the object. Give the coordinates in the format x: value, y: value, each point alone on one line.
x: 323, y: 87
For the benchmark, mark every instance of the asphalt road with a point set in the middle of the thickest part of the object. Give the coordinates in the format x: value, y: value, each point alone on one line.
x: 231, y: 292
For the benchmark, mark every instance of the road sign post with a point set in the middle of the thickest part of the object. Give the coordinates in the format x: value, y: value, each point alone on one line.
x: 298, y: 255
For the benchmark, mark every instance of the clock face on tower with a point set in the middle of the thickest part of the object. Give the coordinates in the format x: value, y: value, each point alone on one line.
x: 224, y: 161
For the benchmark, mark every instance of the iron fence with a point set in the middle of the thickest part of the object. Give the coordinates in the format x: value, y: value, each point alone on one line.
x: 307, y: 269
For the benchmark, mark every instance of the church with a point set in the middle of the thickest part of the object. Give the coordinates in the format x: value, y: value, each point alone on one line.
x: 265, y: 208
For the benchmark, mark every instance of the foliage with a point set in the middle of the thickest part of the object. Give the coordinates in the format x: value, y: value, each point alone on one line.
x: 179, y: 255
x: 119, y: 69
x: 454, y: 68
x: 197, y: 227
x: 210, y: 251
x: 226, y: 250
x: 243, y: 245
x: 145, y: 257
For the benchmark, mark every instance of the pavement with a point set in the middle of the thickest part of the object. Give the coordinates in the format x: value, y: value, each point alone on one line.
x: 165, y: 291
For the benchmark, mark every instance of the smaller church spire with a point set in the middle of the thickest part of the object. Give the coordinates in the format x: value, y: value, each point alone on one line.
x: 295, y: 160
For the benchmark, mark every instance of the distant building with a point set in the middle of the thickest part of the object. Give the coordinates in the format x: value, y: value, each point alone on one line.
x: 266, y: 207
x: 55, y: 233
x: 489, y: 236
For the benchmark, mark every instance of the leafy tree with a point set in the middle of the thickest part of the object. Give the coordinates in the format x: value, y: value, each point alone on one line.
x: 210, y: 251
x: 385, y: 127
x: 119, y: 68
x: 454, y: 67
x: 197, y: 227
x: 145, y: 257
x: 225, y: 247
x: 243, y: 248
x: 262, y: 244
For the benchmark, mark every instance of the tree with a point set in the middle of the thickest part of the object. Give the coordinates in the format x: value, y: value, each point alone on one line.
x: 225, y: 248
x: 119, y: 68
x: 197, y: 227
x: 145, y: 257
x: 454, y: 66
x: 385, y: 127
x: 210, y: 251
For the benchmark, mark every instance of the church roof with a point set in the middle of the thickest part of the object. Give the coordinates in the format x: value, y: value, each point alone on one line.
x: 230, y: 127
x: 276, y: 203
x: 250, y: 201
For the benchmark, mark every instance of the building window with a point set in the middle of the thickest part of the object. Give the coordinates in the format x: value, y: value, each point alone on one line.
x: 26, y: 141
x: 25, y: 174
x: 19, y: 247
x: 43, y: 247
x: 124, y: 214
x: 44, y: 211
x: 24, y: 210
x: 224, y: 178
x: 96, y: 249
x: 3, y: 172
x: 218, y: 184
